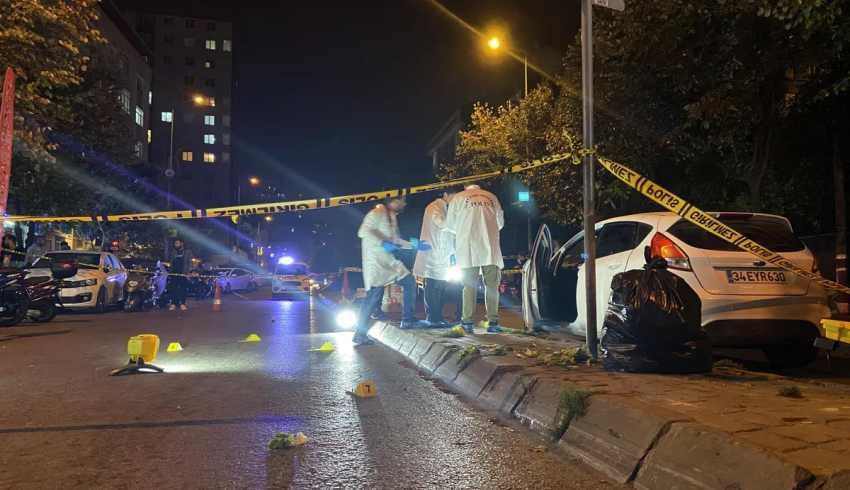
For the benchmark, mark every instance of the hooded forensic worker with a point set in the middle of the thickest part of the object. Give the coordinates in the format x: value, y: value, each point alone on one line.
x: 434, y: 266
x: 379, y: 238
x: 475, y: 217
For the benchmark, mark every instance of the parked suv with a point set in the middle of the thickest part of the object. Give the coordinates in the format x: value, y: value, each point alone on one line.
x: 745, y: 302
x: 99, y: 281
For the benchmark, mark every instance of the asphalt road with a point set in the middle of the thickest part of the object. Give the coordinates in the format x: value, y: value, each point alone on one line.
x: 206, y: 422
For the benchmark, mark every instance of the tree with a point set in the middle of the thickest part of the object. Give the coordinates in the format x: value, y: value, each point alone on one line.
x: 47, y: 44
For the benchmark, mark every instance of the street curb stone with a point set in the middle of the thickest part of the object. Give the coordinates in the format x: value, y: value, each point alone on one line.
x: 505, y: 390
x: 693, y: 456
x: 539, y: 409
x: 615, y: 434
x: 472, y: 380
x: 434, y: 357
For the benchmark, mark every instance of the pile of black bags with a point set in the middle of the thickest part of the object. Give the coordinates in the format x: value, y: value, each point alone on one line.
x: 653, y: 324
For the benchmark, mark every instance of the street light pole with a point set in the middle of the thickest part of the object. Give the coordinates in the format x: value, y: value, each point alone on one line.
x: 525, y: 63
x: 588, y: 191
x: 169, y: 174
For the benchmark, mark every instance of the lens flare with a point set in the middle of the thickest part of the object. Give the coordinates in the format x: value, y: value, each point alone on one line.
x: 346, y: 318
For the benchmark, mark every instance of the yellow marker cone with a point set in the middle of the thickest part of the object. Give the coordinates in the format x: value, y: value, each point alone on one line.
x: 174, y: 347
x: 252, y: 338
x: 366, y: 389
x: 326, y: 347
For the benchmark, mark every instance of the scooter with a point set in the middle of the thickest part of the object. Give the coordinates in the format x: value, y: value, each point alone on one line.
x: 199, y: 287
x: 145, y: 290
x: 43, y: 292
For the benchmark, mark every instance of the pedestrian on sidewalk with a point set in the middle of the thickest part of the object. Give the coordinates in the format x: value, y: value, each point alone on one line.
x: 181, y: 264
x: 433, y: 266
x: 379, y: 238
x: 475, y: 217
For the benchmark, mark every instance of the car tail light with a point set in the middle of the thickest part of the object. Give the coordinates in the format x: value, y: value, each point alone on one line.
x: 663, y: 247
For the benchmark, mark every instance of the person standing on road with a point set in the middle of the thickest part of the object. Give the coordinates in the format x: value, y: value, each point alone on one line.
x: 475, y: 217
x: 35, y: 250
x: 433, y: 266
x: 181, y: 263
x: 11, y: 255
x: 379, y: 238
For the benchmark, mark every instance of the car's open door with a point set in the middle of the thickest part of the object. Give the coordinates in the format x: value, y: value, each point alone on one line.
x: 536, y: 275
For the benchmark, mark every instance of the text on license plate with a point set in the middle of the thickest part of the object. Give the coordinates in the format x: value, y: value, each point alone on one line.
x: 756, y: 277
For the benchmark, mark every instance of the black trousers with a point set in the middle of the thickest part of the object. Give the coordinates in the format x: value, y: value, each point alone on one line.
x: 434, y: 299
x: 177, y: 286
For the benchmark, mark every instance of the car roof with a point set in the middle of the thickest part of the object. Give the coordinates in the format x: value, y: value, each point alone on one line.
x: 655, y: 216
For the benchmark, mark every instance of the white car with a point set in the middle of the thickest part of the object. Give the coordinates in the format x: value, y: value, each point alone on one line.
x: 235, y: 279
x: 746, y: 303
x: 291, y: 280
x: 99, y: 282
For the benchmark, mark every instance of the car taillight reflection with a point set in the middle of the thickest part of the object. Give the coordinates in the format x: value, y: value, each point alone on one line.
x: 664, y: 248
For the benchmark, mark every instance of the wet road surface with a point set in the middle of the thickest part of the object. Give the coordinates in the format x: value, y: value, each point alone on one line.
x: 207, y: 421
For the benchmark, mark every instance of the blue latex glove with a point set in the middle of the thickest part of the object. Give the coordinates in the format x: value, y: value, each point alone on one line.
x: 414, y: 243
x: 390, y: 247
x: 423, y: 246
x: 453, y: 260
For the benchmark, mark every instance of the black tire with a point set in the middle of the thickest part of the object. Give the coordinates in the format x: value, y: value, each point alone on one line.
x: 131, y: 303
x: 790, y: 356
x: 100, y: 304
x: 17, y: 317
x: 46, y: 313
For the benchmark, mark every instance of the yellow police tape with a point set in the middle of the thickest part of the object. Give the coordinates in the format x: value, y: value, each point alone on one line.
x: 299, y: 205
x: 709, y: 223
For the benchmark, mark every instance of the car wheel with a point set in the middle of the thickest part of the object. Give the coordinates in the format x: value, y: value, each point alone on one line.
x: 789, y: 356
x: 100, y: 304
x: 44, y: 314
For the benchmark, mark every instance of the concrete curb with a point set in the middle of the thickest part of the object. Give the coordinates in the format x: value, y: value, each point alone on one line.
x: 628, y: 440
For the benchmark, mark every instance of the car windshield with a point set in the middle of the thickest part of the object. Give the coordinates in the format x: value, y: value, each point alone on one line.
x: 770, y: 231
x: 82, y: 259
x: 291, y: 270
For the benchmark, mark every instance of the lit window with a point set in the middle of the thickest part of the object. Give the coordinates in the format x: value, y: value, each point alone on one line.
x: 137, y: 149
x: 209, y: 157
x: 209, y: 120
x: 225, y: 139
x: 225, y: 121
x: 124, y: 99
x: 226, y: 45
x: 209, y: 139
x: 188, y: 42
x: 211, y: 101
x: 167, y: 116
x: 210, y: 44
x: 150, y: 97
x: 225, y: 157
x: 186, y: 156
x: 149, y: 135
x: 140, y: 116
x: 209, y: 64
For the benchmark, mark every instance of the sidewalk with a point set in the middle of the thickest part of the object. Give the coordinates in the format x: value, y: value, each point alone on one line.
x: 728, y: 429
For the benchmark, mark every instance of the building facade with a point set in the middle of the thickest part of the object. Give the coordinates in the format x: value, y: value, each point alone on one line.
x: 191, y: 126
x: 134, y: 74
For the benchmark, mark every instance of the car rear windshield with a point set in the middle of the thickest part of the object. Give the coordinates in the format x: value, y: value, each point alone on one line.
x: 291, y: 270
x: 80, y: 258
x: 773, y: 233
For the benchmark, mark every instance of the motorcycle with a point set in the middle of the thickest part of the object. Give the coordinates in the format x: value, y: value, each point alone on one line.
x: 14, y: 301
x: 199, y: 287
x: 36, y: 298
x: 145, y: 289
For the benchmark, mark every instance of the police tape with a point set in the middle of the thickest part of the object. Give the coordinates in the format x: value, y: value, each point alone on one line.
x: 711, y: 224
x: 298, y: 205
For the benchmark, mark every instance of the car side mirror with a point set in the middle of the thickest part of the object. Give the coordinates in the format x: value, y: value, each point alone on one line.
x: 63, y: 270
x: 106, y: 269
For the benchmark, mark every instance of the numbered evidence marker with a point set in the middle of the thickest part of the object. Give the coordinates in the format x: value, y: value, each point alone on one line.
x: 366, y: 389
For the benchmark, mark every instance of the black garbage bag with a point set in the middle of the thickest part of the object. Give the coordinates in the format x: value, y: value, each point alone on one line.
x: 653, y: 324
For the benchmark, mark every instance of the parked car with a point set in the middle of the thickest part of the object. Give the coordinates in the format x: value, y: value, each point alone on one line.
x: 746, y: 303
x: 291, y: 280
x: 98, y: 284
x: 235, y: 279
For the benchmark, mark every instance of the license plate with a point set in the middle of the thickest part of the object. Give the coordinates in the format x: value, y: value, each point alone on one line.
x: 756, y: 277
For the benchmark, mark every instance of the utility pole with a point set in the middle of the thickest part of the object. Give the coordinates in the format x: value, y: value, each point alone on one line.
x: 588, y: 197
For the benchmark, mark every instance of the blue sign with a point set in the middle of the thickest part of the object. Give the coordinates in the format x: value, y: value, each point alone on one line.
x: 524, y: 196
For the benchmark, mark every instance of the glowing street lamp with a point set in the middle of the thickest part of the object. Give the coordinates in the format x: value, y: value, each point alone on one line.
x: 254, y: 181
x: 495, y: 44
x: 269, y: 219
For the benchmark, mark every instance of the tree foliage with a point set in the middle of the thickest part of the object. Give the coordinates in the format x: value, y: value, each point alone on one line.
x: 705, y: 96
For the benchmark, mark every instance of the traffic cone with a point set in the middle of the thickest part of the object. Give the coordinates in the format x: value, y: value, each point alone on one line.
x: 217, y: 298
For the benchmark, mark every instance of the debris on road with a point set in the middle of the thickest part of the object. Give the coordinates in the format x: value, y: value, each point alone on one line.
x: 285, y: 440
x: 570, y: 356
x: 455, y: 332
x: 467, y: 355
x: 790, y: 392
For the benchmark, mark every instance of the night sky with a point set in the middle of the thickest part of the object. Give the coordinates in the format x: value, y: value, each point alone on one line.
x: 343, y: 97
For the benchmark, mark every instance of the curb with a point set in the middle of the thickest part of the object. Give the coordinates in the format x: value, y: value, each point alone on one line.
x: 625, y: 439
